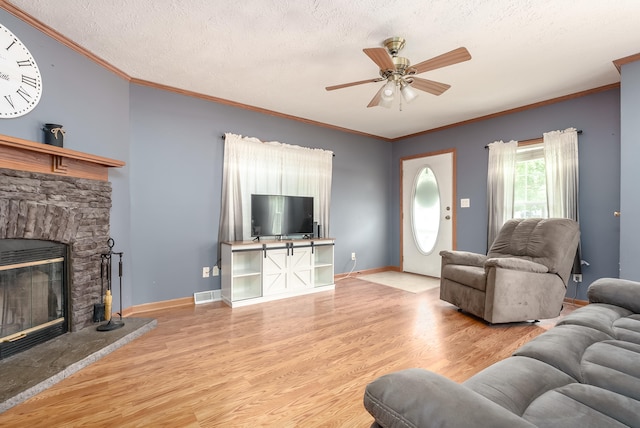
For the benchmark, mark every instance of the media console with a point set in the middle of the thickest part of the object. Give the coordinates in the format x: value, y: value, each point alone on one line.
x: 262, y: 271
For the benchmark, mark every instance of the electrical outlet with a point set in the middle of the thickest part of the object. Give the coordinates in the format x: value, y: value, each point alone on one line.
x: 215, y: 271
x: 577, y: 277
x: 205, y: 272
x: 353, y: 256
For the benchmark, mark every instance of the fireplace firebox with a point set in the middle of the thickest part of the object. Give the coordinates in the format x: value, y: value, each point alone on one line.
x: 33, y: 293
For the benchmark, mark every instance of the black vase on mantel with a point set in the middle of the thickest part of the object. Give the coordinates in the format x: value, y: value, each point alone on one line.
x: 53, y: 134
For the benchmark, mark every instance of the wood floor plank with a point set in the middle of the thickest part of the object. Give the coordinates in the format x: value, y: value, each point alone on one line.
x: 298, y: 362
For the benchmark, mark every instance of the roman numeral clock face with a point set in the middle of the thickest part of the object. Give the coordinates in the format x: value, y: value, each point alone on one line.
x: 20, y: 80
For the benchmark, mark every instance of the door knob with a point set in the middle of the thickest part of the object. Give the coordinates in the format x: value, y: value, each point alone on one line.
x: 616, y: 213
x: 448, y: 217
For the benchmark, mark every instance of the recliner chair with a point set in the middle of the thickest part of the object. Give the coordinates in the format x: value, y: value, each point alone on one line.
x: 523, y: 277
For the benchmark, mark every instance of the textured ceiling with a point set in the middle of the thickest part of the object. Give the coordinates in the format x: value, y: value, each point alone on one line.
x: 279, y: 55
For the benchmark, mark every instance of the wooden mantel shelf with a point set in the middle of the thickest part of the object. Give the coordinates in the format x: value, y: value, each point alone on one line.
x: 24, y: 155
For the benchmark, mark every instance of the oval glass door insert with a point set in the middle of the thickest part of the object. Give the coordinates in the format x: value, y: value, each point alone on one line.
x: 425, y: 210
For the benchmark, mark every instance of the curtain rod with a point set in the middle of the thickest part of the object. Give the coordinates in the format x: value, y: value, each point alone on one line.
x: 579, y: 131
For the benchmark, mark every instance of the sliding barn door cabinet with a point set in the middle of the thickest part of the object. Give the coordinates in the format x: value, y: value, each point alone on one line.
x: 255, y: 272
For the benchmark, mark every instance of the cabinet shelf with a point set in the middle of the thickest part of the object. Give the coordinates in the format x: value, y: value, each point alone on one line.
x: 319, y: 265
x: 241, y: 273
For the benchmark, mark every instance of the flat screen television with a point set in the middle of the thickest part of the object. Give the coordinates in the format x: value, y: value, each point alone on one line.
x: 280, y: 215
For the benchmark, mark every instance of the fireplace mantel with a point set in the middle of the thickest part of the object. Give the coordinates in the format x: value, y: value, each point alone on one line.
x: 24, y: 155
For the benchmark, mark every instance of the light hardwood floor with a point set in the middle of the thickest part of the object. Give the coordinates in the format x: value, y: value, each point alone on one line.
x: 298, y: 362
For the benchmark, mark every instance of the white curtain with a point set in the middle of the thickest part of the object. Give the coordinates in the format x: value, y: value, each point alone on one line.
x: 252, y: 166
x: 561, y: 165
x: 500, y: 181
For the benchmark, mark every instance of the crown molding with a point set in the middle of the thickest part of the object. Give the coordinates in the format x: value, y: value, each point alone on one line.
x: 626, y: 60
x: 515, y: 110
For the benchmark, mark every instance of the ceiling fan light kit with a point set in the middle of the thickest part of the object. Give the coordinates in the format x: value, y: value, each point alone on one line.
x: 389, y: 90
x: 399, y: 75
x: 407, y: 92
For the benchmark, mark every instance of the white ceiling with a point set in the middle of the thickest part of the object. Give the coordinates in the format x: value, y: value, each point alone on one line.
x: 279, y: 55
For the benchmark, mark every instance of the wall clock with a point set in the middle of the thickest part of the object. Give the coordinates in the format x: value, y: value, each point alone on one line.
x: 20, y: 80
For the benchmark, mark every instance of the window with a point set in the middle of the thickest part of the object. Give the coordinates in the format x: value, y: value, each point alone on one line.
x: 530, y: 183
x: 538, y: 178
x: 425, y: 211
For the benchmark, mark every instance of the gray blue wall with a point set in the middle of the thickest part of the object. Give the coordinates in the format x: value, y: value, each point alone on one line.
x: 166, y: 203
x: 630, y: 150
x: 176, y: 160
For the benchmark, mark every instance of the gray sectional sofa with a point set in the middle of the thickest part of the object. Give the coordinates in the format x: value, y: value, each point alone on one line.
x: 584, y: 372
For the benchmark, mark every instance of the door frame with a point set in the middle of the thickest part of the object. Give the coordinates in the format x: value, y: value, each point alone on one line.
x: 454, y: 205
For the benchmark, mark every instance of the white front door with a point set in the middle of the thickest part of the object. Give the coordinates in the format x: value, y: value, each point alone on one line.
x: 427, y: 212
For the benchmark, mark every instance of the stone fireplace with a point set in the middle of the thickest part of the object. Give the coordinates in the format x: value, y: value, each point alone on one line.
x: 62, y: 210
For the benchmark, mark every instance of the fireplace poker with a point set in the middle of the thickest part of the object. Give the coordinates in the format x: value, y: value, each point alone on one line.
x: 120, y: 278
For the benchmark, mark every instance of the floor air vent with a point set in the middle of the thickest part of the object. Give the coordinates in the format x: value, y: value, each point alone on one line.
x: 205, y: 296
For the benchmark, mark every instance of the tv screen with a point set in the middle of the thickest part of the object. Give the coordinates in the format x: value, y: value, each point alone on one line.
x: 277, y: 215
x: 300, y: 215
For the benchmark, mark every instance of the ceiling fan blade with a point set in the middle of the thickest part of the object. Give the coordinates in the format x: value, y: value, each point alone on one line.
x: 435, y: 88
x: 453, y: 57
x: 346, y: 85
x: 376, y: 98
x: 380, y: 57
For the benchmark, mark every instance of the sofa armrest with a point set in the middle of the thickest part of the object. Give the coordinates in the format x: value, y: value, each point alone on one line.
x: 462, y: 258
x: 420, y: 398
x: 515, y: 263
x: 615, y: 291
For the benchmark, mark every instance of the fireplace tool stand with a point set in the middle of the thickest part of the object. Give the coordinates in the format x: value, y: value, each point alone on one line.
x: 105, y: 272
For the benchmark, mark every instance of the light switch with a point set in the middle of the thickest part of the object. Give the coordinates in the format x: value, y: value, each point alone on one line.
x: 465, y: 203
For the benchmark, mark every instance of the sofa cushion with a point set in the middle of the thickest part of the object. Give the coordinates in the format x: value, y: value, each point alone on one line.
x: 530, y: 239
x: 515, y: 382
x: 584, y: 406
x: 613, y: 365
x: 597, y: 316
x: 413, y: 398
x: 614, y: 291
x: 628, y: 328
x: 472, y: 276
x: 563, y: 347
x: 515, y: 263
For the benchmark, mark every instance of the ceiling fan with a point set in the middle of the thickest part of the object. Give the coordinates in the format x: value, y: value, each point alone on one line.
x: 400, y: 75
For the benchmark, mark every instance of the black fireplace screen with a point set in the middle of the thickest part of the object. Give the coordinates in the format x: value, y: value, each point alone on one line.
x: 30, y: 296
x: 32, y: 293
